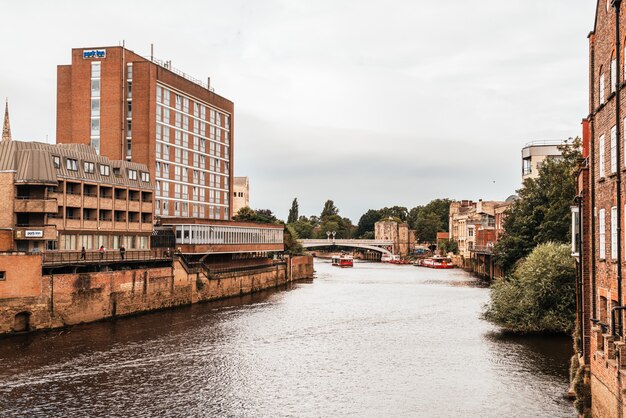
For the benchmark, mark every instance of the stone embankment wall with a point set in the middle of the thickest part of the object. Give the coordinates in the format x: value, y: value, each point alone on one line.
x: 30, y: 301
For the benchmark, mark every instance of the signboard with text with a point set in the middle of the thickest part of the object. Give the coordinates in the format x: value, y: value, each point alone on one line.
x: 94, y: 53
x: 33, y: 234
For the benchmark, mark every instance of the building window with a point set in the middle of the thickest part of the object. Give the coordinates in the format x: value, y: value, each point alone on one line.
x: 614, y: 233
x: 56, y: 161
x: 3, y: 276
x: 145, y: 177
x: 71, y: 164
x: 89, y: 167
x: 613, y: 149
x: 602, y: 233
x: 601, y: 92
x: 613, y: 74
x: 95, y: 105
x: 132, y: 174
x: 601, y: 156
x: 104, y: 170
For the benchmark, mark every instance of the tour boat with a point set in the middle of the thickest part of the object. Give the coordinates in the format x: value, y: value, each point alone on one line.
x: 437, y: 262
x: 343, y: 260
x: 390, y: 258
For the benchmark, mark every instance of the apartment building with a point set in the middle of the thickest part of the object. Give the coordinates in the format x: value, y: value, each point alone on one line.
x: 65, y: 197
x: 535, y: 153
x: 127, y: 107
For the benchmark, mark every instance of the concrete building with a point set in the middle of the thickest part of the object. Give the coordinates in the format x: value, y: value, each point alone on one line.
x: 241, y: 193
x: 65, y: 197
x: 132, y: 108
x: 598, y: 218
x: 535, y: 153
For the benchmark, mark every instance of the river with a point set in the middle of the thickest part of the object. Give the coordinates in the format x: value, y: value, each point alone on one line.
x: 372, y: 341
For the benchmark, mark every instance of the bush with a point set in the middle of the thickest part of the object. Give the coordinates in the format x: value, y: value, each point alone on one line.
x: 540, y: 295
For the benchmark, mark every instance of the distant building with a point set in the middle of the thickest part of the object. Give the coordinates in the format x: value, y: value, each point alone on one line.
x: 65, y: 197
x: 241, y: 193
x: 398, y: 232
x: 535, y: 153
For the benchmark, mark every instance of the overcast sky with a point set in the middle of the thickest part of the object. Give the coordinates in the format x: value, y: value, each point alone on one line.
x: 368, y: 103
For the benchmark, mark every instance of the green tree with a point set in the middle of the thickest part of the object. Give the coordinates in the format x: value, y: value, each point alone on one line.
x: 367, y: 222
x: 329, y: 209
x: 264, y: 216
x: 440, y: 207
x: 399, y: 212
x: 541, y: 214
x: 540, y: 294
x: 303, y: 227
x: 293, y: 212
x: 427, y: 226
x: 449, y: 246
x: 290, y: 239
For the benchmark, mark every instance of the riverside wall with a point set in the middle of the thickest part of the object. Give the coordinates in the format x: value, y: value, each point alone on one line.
x: 30, y: 301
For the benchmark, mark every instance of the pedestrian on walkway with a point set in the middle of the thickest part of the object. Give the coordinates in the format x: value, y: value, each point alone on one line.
x: 122, y: 251
x: 83, y: 254
x: 101, y: 250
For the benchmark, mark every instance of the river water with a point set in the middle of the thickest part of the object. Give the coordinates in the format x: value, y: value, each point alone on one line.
x: 372, y: 341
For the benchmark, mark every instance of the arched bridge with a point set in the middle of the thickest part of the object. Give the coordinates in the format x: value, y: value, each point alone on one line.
x: 382, y: 246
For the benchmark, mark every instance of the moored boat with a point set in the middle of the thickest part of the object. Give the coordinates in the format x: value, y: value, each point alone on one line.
x: 437, y: 262
x: 343, y: 260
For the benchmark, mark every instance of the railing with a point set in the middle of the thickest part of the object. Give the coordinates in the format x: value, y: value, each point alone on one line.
x: 169, y: 67
x: 50, y: 258
x: 547, y: 142
x: 237, y: 269
x: 485, y: 249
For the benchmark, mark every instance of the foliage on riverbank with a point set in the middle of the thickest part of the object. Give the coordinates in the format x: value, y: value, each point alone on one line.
x: 540, y: 294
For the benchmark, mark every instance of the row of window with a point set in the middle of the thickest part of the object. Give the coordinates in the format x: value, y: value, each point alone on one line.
x: 602, y: 233
x: 182, y: 103
x: 613, y: 76
x: 181, y: 124
x: 95, y: 105
x: 165, y: 207
x: 197, y: 143
x: 209, y: 234
x: 93, y: 242
x: 612, y: 152
x: 105, y: 170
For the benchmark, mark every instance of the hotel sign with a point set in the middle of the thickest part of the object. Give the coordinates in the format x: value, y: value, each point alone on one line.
x: 33, y: 234
x: 94, y: 53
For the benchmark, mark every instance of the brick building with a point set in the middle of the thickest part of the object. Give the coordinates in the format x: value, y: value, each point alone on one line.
x: 65, y: 197
x: 143, y: 110
x: 598, y: 221
x: 398, y: 232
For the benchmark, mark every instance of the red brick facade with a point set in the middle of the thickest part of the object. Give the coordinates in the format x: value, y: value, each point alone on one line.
x: 601, y: 203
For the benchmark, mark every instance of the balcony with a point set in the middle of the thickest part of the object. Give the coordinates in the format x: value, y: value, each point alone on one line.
x: 35, y: 233
x: 27, y: 205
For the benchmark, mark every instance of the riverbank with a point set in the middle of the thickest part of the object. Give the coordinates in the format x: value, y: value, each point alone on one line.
x: 33, y: 301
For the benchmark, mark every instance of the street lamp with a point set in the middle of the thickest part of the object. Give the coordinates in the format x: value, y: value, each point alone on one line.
x: 328, y: 235
x: 333, y: 234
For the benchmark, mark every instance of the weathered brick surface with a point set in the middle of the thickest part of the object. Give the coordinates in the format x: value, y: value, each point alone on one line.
x: 67, y: 299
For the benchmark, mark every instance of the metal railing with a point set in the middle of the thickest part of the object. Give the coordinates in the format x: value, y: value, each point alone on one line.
x: 485, y: 249
x: 94, y: 256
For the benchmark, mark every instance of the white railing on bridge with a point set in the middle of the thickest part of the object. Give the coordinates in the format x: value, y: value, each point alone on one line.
x: 346, y: 241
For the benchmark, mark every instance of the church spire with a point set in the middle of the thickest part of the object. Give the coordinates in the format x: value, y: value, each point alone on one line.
x: 6, y: 128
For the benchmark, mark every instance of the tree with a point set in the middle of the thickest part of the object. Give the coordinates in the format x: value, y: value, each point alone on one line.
x: 293, y: 212
x: 427, y: 226
x: 290, y: 239
x: 399, y: 212
x: 440, y: 207
x: 329, y: 209
x: 303, y: 227
x: 367, y: 222
x: 540, y: 294
x: 264, y: 216
x: 541, y: 214
x: 449, y: 246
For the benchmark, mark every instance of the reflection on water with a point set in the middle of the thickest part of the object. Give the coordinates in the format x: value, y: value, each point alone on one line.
x: 375, y: 340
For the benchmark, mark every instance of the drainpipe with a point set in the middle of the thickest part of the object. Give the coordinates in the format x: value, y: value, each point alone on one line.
x: 592, y: 180
x: 618, y: 180
x: 579, y: 278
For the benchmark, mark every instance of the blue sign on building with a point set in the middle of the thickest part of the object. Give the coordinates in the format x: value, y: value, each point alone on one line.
x: 94, y: 53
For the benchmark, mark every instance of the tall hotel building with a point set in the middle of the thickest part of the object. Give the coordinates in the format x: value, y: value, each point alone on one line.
x: 142, y: 110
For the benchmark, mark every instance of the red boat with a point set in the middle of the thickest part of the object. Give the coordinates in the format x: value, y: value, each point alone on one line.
x: 438, y: 262
x: 343, y: 260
